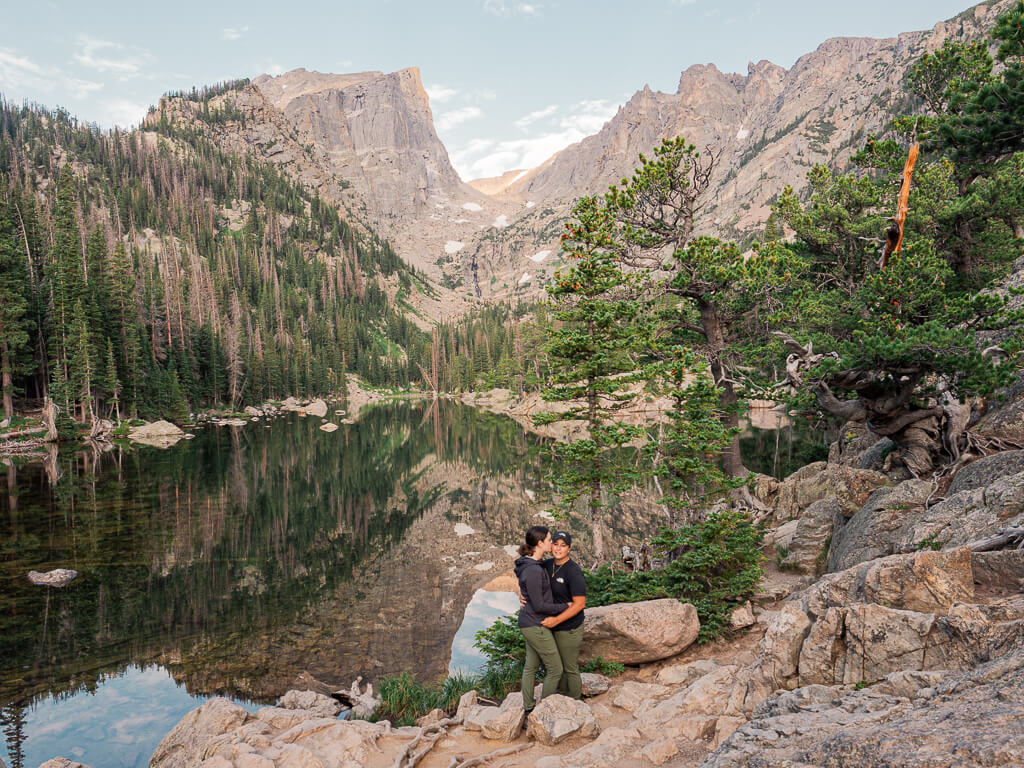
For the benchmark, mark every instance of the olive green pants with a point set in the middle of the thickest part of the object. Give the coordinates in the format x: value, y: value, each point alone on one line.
x: 540, y: 648
x: 568, y: 642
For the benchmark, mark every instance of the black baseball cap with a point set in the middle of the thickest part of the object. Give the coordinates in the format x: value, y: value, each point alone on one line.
x: 564, y: 535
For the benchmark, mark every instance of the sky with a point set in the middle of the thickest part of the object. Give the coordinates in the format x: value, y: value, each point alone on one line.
x: 510, y: 81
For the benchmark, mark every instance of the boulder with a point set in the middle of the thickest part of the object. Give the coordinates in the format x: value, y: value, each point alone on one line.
x: 968, y: 516
x: 742, y: 617
x: 467, y: 701
x: 433, y: 716
x: 966, y: 718
x: 636, y: 633
x: 875, y: 528
x: 594, y: 684
x: 809, y: 547
x: 851, y: 488
x: 1000, y: 572
x: 57, y: 762
x: 684, y: 674
x: 986, y: 470
x: 317, y: 703
x: 921, y: 581
x: 502, y: 723
x: 782, y: 536
x: 858, y: 447
x: 328, y: 427
x: 159, y: 434
x: 251, y: 411
x: 556, y: 718
x: 58, y: 577
x: 184, y: 746
x: 222, y: 735
x: 317, y: 408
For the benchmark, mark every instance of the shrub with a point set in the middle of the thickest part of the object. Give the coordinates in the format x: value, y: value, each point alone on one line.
x: 602, y: 667
x: 714, y: 564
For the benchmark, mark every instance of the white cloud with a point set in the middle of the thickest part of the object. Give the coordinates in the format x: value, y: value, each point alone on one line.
x: 457, y: 116
x: 486, y: 159
x: 527, y: 120
x: 19, y: 74
x: 122, y: 113
x: 505, y: 8
x: 683, y: 3
x: 440, y: 93
x: 105, y: 56
x: 234, y: 33
x: 22, y: 76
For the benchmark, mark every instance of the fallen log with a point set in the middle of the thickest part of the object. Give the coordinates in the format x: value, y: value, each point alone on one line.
x: 1013, y: 534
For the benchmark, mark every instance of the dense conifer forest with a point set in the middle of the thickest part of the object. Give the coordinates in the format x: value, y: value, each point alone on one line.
x: 149, y: 273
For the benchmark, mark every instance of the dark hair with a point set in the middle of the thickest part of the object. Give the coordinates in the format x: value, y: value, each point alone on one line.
x: 535, y: 534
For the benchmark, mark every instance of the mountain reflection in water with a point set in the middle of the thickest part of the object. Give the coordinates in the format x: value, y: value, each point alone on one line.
x: 247, y: 556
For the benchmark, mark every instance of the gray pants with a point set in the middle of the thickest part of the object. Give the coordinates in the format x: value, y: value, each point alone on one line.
x: 540, y: 647
x: 568, y: 642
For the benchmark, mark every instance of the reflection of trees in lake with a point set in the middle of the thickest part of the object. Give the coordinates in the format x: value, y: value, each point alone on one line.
x: 780, y: 452
x: 236, y: 531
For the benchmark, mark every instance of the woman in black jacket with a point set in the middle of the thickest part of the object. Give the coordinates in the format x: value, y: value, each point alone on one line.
x: 535, y: 586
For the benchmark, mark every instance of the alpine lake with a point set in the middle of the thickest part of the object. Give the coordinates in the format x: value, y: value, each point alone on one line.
x: 245, y: 560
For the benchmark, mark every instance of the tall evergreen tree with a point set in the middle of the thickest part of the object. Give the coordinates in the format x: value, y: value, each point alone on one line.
x: 592, y: 353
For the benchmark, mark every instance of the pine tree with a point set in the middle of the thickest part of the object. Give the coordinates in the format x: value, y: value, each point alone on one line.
x: 592, y: 364
x: 14, y: 320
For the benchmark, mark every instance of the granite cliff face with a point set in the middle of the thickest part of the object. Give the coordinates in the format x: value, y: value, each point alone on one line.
x: 768, y: 127
x: 367, y: 142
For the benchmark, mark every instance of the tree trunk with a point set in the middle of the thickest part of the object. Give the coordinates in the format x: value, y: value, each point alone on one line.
x: 6, y: 382
x: 732, y: 460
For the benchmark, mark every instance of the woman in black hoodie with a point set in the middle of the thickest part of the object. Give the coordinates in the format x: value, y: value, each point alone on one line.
x: 535, y: 586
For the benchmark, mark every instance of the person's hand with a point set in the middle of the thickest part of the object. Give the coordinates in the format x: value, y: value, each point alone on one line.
x: 550, y: 622
x: 522, y: 601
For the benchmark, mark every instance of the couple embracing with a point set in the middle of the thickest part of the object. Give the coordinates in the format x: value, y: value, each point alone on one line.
x: 554, y: 594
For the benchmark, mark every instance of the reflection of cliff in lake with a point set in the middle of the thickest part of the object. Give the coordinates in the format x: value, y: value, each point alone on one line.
x: 247, y: 556
x: 236, y: 532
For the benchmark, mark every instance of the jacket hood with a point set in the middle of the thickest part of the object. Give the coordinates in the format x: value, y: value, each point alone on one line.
x: 523, y: 562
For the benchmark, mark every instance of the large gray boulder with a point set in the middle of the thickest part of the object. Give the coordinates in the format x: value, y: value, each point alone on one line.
x: 875, y: 528
x: 809, y: 546
x: 636, y: 633
x: 57, y: 762
x: 850, y: 487
x: 968, y: 515
x: 986, y: 470
x: 925, y: 581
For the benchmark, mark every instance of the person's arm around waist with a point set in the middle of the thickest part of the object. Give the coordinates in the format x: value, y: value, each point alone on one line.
x: 534, y: 579
x: 579, y: 602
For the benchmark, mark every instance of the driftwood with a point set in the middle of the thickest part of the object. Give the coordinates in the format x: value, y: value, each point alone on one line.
x: 481, y: 759
x: 21, y: 433
x: 430, y: 734
x: 1013, y: 534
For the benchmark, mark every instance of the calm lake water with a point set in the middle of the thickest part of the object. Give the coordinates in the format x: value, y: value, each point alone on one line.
x: 242, y: 561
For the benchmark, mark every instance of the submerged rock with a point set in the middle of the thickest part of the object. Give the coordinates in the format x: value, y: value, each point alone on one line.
x: 58, y: 577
